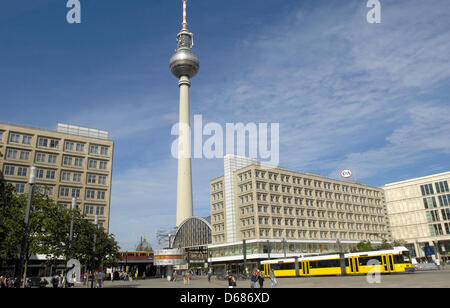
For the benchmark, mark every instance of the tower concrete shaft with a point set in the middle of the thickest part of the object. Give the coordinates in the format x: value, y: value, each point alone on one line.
x: 184, y: 64
x: 184, y: 185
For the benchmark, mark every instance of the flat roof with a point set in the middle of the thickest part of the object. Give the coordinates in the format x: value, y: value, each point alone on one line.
x: 423, y: 178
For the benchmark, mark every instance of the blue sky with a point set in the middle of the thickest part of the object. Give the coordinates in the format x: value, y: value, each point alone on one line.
x: 347, y: 94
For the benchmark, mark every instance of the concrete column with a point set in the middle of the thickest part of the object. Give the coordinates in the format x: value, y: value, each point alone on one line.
x: 184, y: 187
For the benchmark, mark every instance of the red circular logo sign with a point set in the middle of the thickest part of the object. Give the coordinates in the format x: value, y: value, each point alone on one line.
x: 346, y: 173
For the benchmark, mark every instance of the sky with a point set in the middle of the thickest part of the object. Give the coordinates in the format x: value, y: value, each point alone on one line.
x: 346, y: 93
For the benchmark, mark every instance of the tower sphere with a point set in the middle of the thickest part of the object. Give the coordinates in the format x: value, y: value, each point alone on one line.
x: 184, y: 63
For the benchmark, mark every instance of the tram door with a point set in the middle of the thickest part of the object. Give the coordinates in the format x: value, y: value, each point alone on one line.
x: 353, y: 263
x: 305, y: 267
x: 388, y: 263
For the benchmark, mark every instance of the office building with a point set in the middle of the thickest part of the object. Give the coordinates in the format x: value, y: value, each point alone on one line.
x: 275, y: 212
x: 419, y: 213
x: 71, y: 161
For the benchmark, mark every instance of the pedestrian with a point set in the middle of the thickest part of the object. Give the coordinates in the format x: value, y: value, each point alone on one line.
x: 2, y: 281
x: 438, y: 263
x: 189, y: 277
x: 231, y: 280
x: 101, y: 277
x: 260, y: 279
x: 273, y: 279
x: 55, y: 281
x: 174, y: 276
x: 185, y: 278
x: 254, y: 279
x: 209, y: 275
x: 143, y: 276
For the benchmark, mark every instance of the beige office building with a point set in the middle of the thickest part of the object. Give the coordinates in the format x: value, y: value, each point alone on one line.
x: 419, y: 213
x: 71, y: 161
x: 292, y: 212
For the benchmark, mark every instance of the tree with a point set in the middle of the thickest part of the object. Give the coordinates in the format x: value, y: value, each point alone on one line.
x: 49, y: 226
x: 364, y: 245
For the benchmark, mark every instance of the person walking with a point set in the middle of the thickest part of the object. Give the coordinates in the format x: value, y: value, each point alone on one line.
x: 55, y: 281
x: 209, y: 275
x: 260, y: 279
x: 254, y: 279
x: 273, y: 279
x: 231, y: 280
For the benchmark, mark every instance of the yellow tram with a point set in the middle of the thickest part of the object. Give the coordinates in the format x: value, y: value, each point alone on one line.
x: 396, y: 260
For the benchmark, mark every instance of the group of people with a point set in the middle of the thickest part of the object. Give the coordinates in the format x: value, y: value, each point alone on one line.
x: 6, y: 280
x: 256, y: 279
x: 187, y: 277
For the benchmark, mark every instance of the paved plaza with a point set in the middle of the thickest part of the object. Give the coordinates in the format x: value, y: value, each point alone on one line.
x: 422, y: 279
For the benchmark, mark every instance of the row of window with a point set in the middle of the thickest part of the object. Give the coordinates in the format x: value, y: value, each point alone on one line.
x: 54, y: 144
x: 430, y: 202
x: 441, y: 187
x: 50, y: 175
x: 309, y: 182
x: 437, y: 229
x: 51, y: 159
x: 433, y: 216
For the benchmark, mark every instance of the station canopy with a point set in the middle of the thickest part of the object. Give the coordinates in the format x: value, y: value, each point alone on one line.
x: 193, y: 232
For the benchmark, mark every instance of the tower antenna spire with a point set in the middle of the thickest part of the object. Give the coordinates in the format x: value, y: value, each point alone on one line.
x: 184, y: 14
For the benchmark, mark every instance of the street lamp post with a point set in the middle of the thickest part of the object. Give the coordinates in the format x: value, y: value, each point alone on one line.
x: 93, y: 249
x: 69, y: 254
x: 24, y: 245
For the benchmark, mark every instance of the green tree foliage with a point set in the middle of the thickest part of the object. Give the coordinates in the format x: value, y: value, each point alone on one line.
x: 49, y: 226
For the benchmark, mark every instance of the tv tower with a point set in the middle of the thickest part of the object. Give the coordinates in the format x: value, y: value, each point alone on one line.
x: 184, y: 64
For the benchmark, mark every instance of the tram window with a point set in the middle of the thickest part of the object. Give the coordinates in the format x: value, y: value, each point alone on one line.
x: 403, y: 258
x: 324, y: 263
x: 364, y: 260
x: 282, y: 266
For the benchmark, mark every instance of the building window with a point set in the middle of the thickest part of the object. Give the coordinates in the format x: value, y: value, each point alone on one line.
x: 427, y: 189
x: 40, y: 157
x: 11, y: 154
x: 24, y: 155
x: 90, y: 194
x: 64, y: 192
x: 51, y: 158
x: 93, y: 149
x: 100, y: 210
x: 104, y: 150
x: 91, y: 179
x: 102, y: 179
x: 441, y: 187
x: 9, y: 170
x: 26, y: 140
x: 42, y: 142
x: 92, y: 164
x: 50, y: 174
x: 75, y: 192
x: 101, y: 195
x: 19, y: 187
x: 21, y: 171
x: 89, y: 209
x: 76, y: 177
x: 103, y: 165
x: 65, y: 176
x: 14, y: 138
x: 78, y: 162
x: 80, y: 147
x: 67, y: 161
x: 68, y: 146
x: 54, y: 143
x: 39, y: 173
